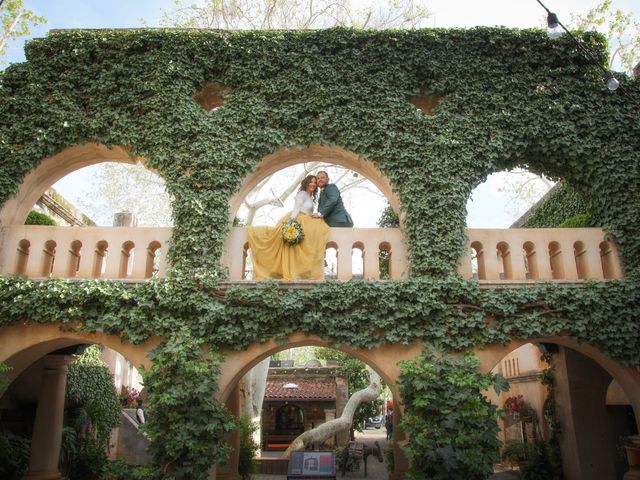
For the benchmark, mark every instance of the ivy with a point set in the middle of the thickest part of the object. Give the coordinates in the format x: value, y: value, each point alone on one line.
x: 453, y: 314
x: 185, y: 420
x: 452, y: 428
x: 90, y: 389
x: 563, y: 204
x: 507, y: 98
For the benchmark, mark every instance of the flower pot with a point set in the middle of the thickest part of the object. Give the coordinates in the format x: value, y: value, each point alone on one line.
x: 633, y: 459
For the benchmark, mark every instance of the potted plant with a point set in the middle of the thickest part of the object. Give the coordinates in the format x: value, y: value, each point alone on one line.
x: 632, y: 449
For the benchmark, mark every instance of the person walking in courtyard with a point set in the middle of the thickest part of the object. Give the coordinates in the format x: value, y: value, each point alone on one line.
x: 330, y: 206
x: 140, y: 417
x: 388, y: 423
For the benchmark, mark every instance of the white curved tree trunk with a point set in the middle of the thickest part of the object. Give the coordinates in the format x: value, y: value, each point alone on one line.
x: 342, y: 423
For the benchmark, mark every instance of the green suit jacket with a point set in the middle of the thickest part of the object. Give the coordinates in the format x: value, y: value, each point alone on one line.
x: 332, y: 209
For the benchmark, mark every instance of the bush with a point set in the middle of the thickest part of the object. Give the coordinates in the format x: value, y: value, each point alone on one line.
x: 37, y: 218
x: 451, y: 426
x: 389, y: 459
x: 582, y: 220
x: 91, y: 396
x: 121, y: 470
x: 248, y: 448
x: 14, y: 456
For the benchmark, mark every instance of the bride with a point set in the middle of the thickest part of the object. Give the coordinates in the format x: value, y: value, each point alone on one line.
x: 273, y: 259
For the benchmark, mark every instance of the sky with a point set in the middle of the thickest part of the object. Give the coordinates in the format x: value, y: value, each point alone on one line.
x: 488, y: 207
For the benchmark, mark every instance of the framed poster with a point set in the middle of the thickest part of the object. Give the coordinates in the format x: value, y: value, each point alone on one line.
x: 312, y: 465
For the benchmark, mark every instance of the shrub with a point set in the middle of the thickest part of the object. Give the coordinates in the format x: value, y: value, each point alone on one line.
x: 451, y: 426
x: 14, y: 456
x: 37, y: 218
x: 388, y: 456
x: 248, y: 448
x: 581, y: 220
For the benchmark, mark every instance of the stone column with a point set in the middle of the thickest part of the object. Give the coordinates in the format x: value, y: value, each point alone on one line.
x: 47, y: 429
x: 399, y: 439
x: 230, y: 470
x: 588, y: 449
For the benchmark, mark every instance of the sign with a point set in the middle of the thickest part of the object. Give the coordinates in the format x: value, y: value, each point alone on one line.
x: 320, y: 465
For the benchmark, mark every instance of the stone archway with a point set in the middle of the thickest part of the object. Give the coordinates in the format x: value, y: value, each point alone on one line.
x: 39, y: 357
x: 582, y: 376
x: 284, y: 158
x: 383, y: 359
x: 51, y: 169
x: 24, y: 344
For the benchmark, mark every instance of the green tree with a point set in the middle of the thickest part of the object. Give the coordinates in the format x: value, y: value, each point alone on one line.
x: 16, y: 21
x: 620, y: 28
x: 38, y: 218
x: 295, y: 14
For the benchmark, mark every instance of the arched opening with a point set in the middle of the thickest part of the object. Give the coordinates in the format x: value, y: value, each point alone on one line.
x: 100, y: 259
x: 505, y: 197
x: 296, y: 390
x: 152, y: 267
x: 269, y: 203
x: 608, y: 260
x: 291, y: 370
x: 317, y: 155
x: 580, y: 255
x: 23, y: 256
x: 477, y: 261
x: 385, y: 261
x: 358, y: 261
x: 63, y: 393
x: 582, y: 383
x: 69, y: 164
x: 331, y: 261
x: 556, y: 260
x: 504, y: 259
x: 531, y: 261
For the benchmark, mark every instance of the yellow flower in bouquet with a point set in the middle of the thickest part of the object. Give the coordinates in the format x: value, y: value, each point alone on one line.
x: 292, y: 233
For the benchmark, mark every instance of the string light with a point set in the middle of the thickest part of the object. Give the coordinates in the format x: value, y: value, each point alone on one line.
x: 556, y: 28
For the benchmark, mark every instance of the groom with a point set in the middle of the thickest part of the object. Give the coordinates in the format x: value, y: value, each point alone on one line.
x: 330, y: 206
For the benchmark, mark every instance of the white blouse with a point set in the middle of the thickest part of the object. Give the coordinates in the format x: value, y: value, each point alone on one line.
x: 304, y: 204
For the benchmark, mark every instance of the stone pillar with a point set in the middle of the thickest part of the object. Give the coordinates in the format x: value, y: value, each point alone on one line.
x: 588, y: 449
x: 330, y: 414
x: 47, y: 429
x: 400, y: 461
x: 230, y: 470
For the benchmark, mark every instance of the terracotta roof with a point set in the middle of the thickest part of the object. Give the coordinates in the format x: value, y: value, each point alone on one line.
x: 307, y: 389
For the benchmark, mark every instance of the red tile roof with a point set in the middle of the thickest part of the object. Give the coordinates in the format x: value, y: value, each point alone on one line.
x: 308, y: 389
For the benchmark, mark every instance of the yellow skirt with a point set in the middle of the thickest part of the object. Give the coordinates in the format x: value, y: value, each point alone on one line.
x: 273, y: 259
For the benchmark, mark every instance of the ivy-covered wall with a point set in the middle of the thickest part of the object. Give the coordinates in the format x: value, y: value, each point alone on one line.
x: 563, y: 203
x: 508, y: 97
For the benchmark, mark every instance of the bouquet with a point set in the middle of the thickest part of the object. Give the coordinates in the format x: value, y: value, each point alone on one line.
x: 292, y: 233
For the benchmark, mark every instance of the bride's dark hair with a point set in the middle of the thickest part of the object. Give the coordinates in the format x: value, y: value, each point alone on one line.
x: 307, y: 181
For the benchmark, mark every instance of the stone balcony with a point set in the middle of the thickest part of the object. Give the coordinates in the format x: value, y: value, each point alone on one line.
x: 494, y: 255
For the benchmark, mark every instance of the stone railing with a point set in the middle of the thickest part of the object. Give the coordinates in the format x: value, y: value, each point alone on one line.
x: 508, y: 255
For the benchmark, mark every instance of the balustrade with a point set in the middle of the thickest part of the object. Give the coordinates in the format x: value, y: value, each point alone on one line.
x: 493, y: 255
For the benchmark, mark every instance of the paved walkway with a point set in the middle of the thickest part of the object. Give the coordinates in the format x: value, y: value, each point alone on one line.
x: 377, y: 470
